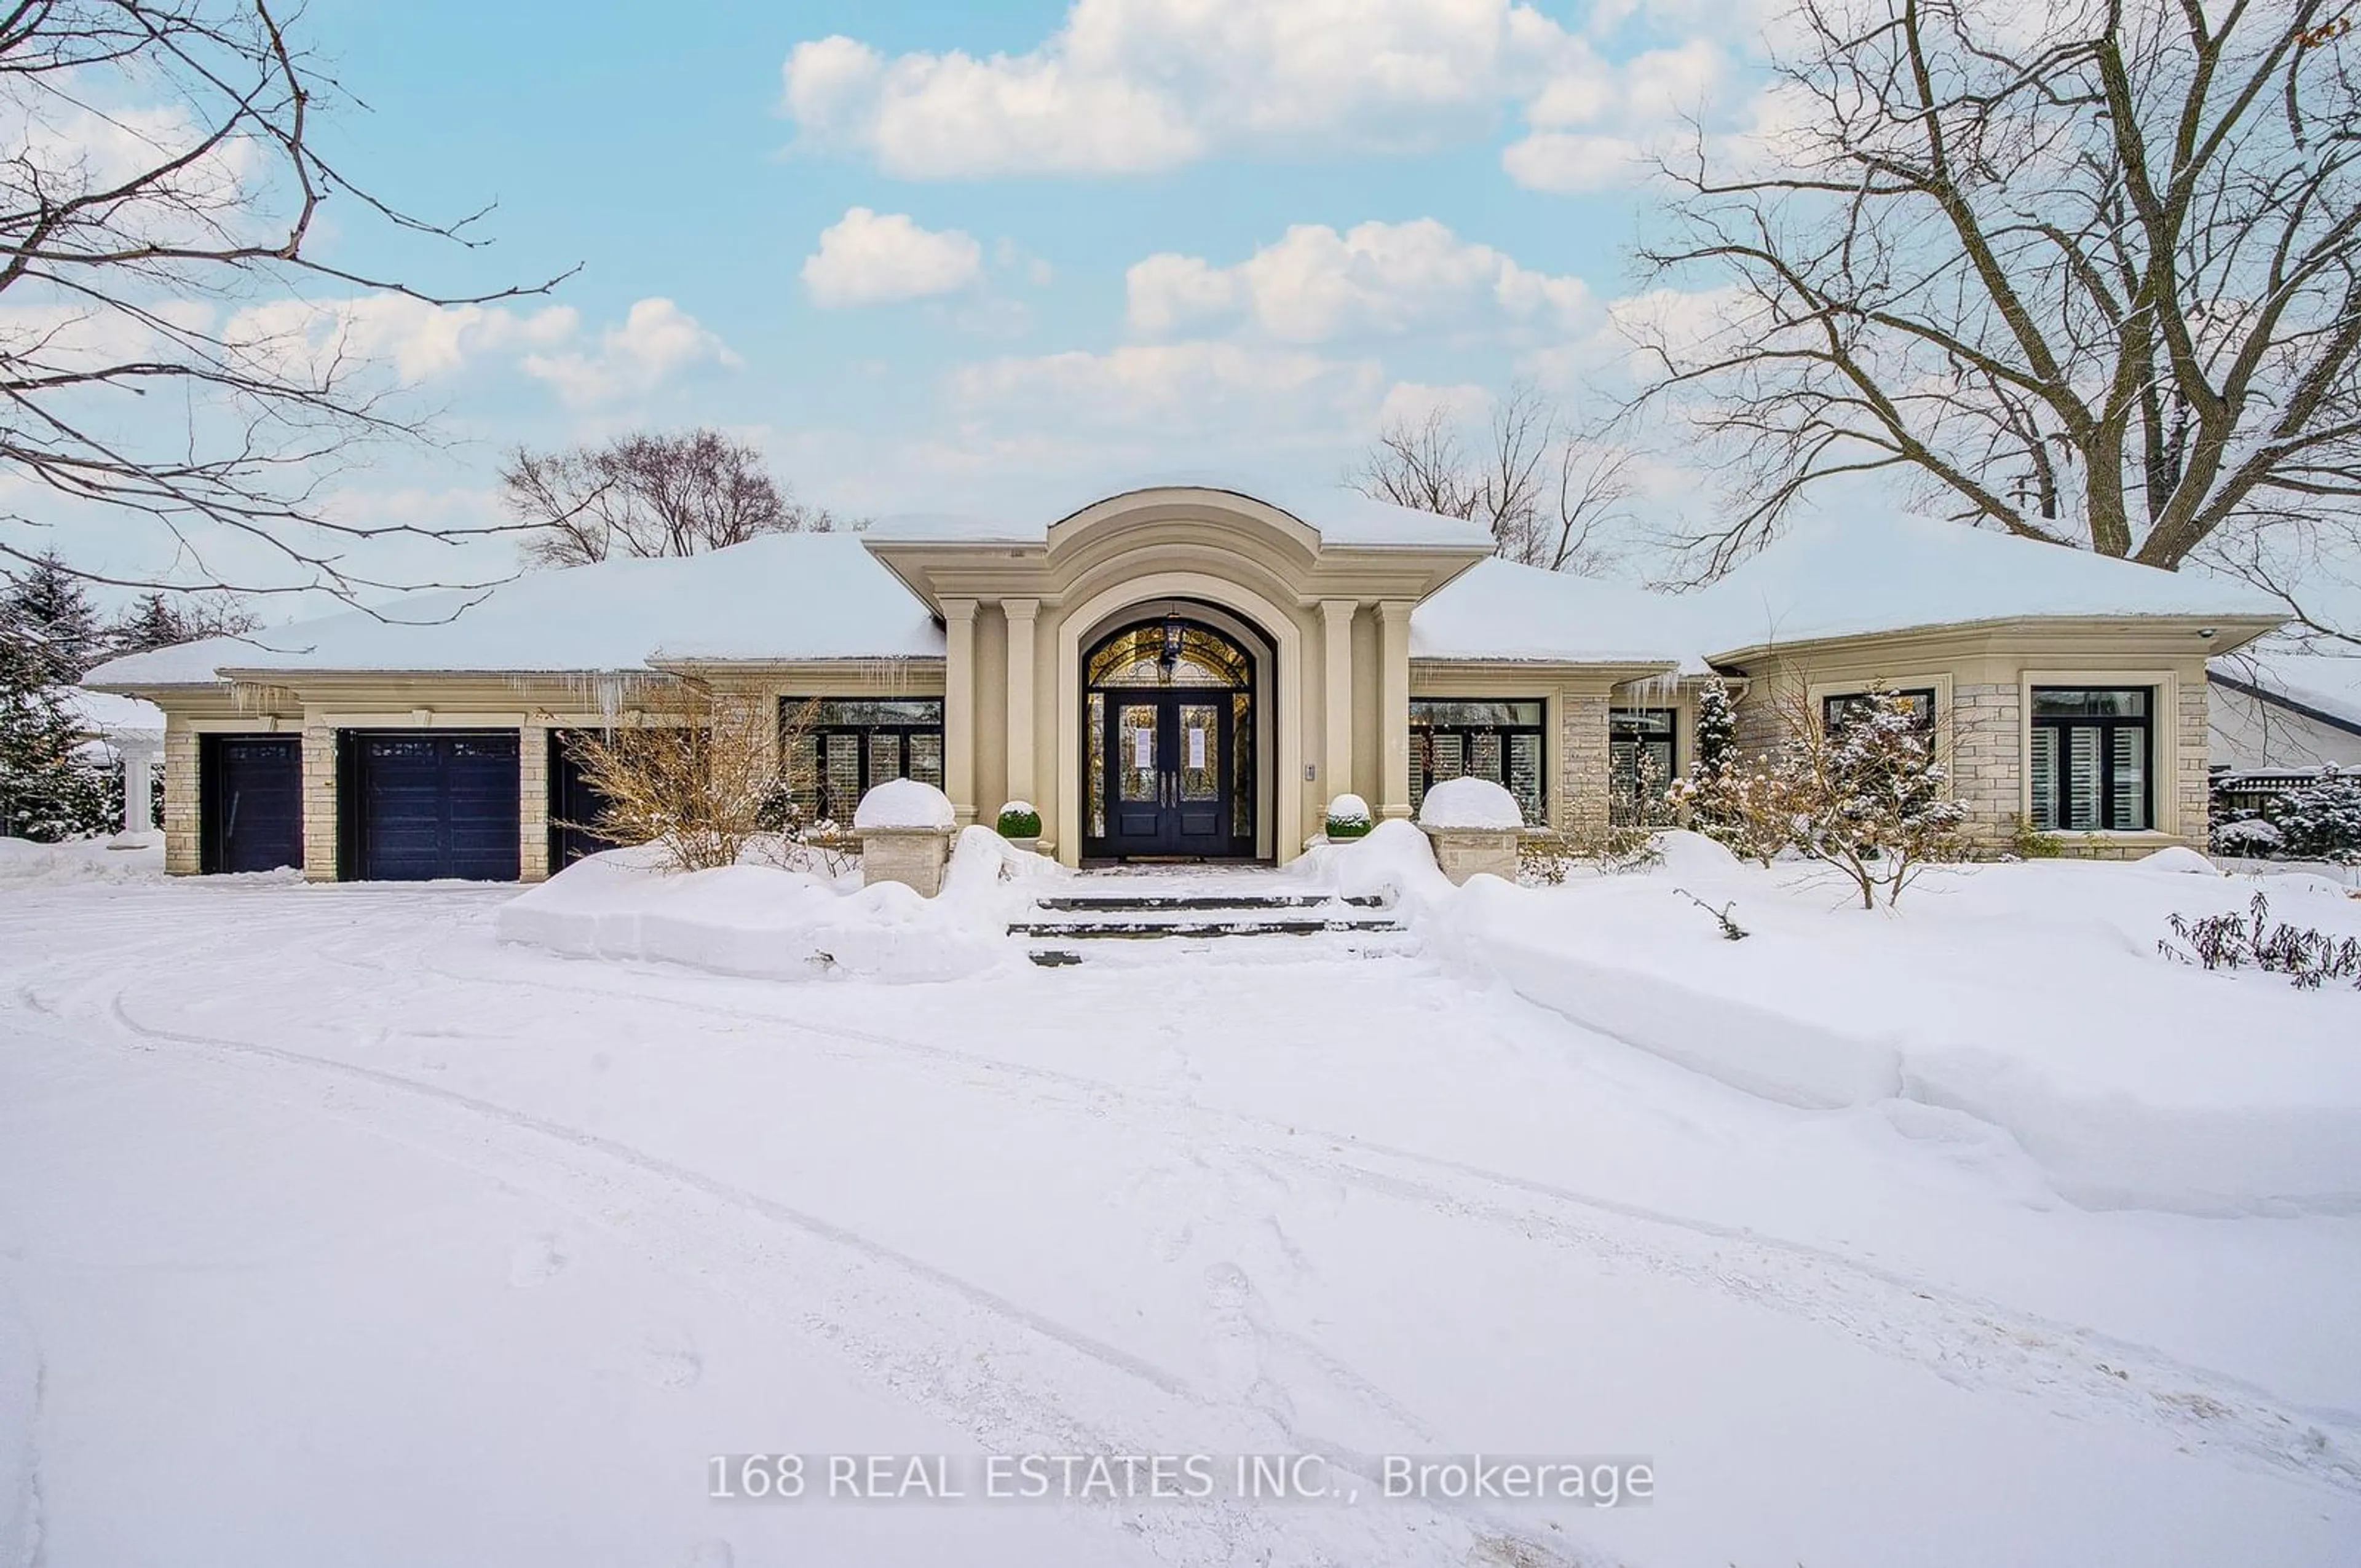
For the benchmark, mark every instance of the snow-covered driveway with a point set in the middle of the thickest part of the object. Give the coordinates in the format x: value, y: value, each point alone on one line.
x: 333, y: 1231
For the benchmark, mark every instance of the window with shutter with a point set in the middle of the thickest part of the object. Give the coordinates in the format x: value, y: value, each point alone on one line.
x: 2091, y: 759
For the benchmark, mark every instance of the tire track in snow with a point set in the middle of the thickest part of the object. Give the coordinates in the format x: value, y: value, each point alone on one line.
x: 1966, y: 1341
x: 989, y: 1366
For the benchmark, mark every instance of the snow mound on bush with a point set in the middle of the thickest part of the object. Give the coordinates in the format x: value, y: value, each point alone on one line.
x: 780, y: 925
x: 1470, y: 803
x: 1348, y: 808
x: 2178, y: 859
x: 905, y: 803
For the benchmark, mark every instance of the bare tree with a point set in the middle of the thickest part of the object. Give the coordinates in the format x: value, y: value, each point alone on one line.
x: 2087, y: 271
x: 163, y: 355
x: 648, y: 495
x: 1549, y: 489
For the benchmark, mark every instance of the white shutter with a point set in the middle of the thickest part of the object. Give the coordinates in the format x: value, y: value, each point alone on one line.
x: 2045, y: 777
x: 2130, y: 804
x: 2082, y: 779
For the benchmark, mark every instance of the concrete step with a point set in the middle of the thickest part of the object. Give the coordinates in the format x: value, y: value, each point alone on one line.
x: 1080, y: 901
x: 1154, y: 930
x: 1316, y: 947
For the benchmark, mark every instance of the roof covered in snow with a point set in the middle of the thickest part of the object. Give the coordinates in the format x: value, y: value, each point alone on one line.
x: 798, y: 596
x: 1338, y: 514
x: 789, y: 595
x: 1843, y: 576
x: 103, y: 713
x: 2324, y: 683
x: 1498, y: 610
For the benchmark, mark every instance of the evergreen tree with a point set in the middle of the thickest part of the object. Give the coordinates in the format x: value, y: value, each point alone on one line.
x: 50, y: 608
x: 53, y: 785
x: 157, y: 620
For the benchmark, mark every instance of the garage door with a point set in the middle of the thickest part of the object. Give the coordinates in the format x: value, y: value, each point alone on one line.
x: 249, y: 802
x: 575, y: 806
x: 419, y: 806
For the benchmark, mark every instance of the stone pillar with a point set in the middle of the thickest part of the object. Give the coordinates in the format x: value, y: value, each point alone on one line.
x: 319, y: 798
x: 2186, y: 752
x: 1021, y: 739
x: 1585, y: 793
x: 532, y: 803
x: 1464, y: 852
x: 1393, y: 709
x: 1336, y: 766
x: 915, y: 857
x: 179, y: 799
x: 959, y: 707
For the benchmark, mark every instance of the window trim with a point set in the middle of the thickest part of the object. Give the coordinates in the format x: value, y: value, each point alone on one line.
x: 1418, y: 781
x: 2106, y: 725
x: 1827, y: 700
x: 789, y: 702
x: 2163, y: 686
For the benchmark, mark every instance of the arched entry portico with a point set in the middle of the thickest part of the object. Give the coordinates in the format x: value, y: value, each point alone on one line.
x: 1243, y: 617
x: 1175, y: 723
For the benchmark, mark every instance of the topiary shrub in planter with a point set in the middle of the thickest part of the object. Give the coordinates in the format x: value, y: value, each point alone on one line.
x: 1021, y: 821
x: 1348, y: 818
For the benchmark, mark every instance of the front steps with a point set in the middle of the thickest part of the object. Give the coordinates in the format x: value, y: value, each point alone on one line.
x: 1067, y: 928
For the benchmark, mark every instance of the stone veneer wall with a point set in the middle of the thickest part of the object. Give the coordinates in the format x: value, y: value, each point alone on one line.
x: 532, y: 803
x: 1986, y: 760
x: 1582, y: 792
x: 319, y: 802
x: 179, y: 799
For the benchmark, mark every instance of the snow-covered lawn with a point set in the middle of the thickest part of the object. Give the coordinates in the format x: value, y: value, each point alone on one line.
x: 334, y: 1231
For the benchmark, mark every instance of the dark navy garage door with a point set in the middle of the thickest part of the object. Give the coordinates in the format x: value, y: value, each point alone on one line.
x: 419, y: 806
x: 249, y: 802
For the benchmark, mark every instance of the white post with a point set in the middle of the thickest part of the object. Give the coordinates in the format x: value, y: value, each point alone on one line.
x: 959, y: 707
x: 1021, y: 676
x: 1336, y: 656
x: 138, y: 780
x: 1393, y: 709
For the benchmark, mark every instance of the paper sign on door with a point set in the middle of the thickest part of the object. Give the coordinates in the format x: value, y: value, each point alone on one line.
x: 1143, y: 749
x: 1196, y: 748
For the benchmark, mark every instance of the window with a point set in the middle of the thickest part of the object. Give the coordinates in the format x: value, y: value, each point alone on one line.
x: 1640, y: 760
x: 1843, y: 708
x: 854, y: 744
x: 1476, y: 738
x: 2090, y: 763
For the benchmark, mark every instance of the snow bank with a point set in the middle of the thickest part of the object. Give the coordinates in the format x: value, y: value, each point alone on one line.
x: 905, y: 803
x: 24, y: 863
x: 762, y: 921
x: 2031, y: 997
x: 1470, y: 803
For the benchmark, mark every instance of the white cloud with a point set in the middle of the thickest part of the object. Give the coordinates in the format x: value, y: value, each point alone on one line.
x: 870, y: 259
x: 1315, y: 284
x: 1128, y: 85
x: 657, y: 341
x: 1599, y: 124
x: 1178, y: 388
x: 420, y: 341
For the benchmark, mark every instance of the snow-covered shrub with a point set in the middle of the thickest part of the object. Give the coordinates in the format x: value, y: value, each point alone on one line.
x: 1751, y: 812
x: 1348, y: 818
x: 1018, y: 819
x: 2320, y: 820
x: 1867, y: 794
x: 1545, y: 859
x: 2232, y: 942
x: 2250, y: 837
x: 696, y: 773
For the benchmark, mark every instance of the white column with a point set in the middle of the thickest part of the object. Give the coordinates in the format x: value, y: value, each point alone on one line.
x: 1393, y: 707
x: 959, y: 707
x: 1021, y: 677
x: 138, y: 778
x: 1336, y: 661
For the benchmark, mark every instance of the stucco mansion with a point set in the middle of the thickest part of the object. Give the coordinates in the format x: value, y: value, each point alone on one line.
x: 1187, y: 671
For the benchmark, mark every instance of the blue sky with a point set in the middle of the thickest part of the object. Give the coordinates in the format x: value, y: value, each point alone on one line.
x: 980, y: 337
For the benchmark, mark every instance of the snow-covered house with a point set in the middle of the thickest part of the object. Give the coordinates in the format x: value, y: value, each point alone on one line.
x: 1186, y: 670
x: 2285, y: 712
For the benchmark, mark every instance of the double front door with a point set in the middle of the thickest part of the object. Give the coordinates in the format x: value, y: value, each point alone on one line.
x: 1168, y: 772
